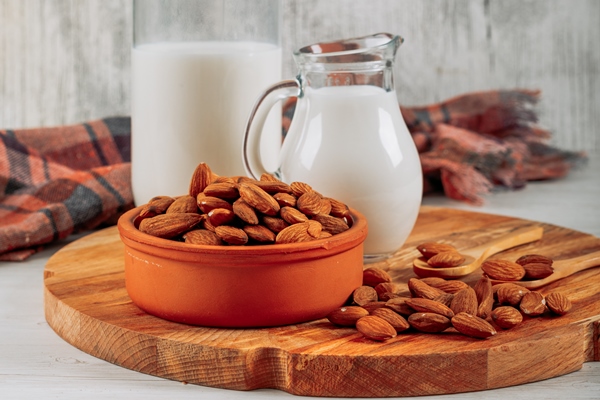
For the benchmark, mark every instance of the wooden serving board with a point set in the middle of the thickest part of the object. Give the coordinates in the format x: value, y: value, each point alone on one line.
x: 87, y: 304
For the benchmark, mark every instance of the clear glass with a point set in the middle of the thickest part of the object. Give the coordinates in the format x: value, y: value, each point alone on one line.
x: 348, y: 139
x: 197, y: 68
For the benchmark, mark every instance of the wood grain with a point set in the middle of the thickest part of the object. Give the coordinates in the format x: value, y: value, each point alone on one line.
x: 67, y: 61
x: 87, y: 305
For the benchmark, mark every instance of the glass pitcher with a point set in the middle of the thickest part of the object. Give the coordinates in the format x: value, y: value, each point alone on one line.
x: 347, y: 138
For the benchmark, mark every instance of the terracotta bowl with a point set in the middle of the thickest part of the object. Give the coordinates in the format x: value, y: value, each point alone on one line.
x: 241, y: 286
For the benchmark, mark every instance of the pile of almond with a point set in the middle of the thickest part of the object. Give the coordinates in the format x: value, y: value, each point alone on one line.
x: 380, y: 308
x: 527, y: 267
x: 240, y: 210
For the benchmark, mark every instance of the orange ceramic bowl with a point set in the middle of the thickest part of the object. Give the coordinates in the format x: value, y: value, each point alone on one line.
x: 241, y: 286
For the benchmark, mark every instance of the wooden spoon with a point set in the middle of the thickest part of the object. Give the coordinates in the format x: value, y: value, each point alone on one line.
x: 562, y: 269
x: 475, y: 256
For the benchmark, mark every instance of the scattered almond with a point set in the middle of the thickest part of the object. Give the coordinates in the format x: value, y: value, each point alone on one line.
x: 430, y: 249
x: 347, y: 316
x: 506, y: 317
x: 533, y: 304
x: 446, y: 259
x: 537, y: 270
x: 465, y: 301
x: 374, y: 276
x: 558, y: 303
x: 419, y: 288
x: 430, y: 306
x: 473, y: 326
x: 363, y: 295
x: 395, y: 320
x: 485, y: 297
x: 429, y: 322
x: 503, y: 270
x: 375, y: 328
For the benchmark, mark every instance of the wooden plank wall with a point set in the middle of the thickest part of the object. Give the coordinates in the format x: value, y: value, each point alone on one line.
x: 66, y: 61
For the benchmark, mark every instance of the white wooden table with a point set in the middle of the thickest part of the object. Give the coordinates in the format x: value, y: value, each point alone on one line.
x: 35, y: 363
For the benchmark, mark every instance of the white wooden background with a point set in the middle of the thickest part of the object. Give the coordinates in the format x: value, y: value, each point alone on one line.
x: 67, y: 61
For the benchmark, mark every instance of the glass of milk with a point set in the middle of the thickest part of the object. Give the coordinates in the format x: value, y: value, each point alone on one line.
x: 347, y: 138
x: 197, y: 68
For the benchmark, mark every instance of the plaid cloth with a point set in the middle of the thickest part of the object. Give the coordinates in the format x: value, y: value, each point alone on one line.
x: 63, y: 180
x: 59, y: 181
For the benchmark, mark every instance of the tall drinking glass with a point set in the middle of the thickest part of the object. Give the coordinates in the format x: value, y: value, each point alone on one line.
x: 197, y: 68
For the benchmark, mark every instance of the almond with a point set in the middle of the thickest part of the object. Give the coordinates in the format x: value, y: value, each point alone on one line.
x: 338, y: 209
x: 419, y: 288
x: 231, y: 235
x: 372, y: 306
x: 299, y: 188
x: 285, y: 199
x: 167, y: 226
x: 325, y: 207
x: 223, y: 179
x: 183, y: 204
x: 387, y: 287
x: 465, y: 301
x: 294, y: 234
x: 220, y: 216
x: 324, y: 235
x: 506, y: 317
x: 201, y: 178
x: 209, y: 203
x: 245, y: 212
x: 203, y: 237
x: 274, y: 224
x: 485, y: 297
x: 448, y: 286
x: 503, y: 270
x: 375, y: 328
x: 160, y: 204
x: 388, y: 296
x: 533, y: 304
x: 273, y: 187
x: 558, y: 303
x: 291, y: 215
x: 374, y: 276
x: 363, y: 295
x: 472, y: 326
x: 266, y: 177
x: 347, y: 315
x: 314, y: 228
x: 534, y: 258
x: 445, y: 299
x: 430, y: 249
x: 430, y: 306
x: 331, y: 224
x: 509, y: 293
x: 395, y: 320
x: 429, y: 322
x: 537, y: 270
x: 446, y: 259
x: 258, y: 199
x: 310, y: 204
x: 259, y: 233
x: 222, y: 190
x: 398, y: 305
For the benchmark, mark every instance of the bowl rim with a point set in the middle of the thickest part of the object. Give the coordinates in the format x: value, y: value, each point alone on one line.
x: 352, y: 237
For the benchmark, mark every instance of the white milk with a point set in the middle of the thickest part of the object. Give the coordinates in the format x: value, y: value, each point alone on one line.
x: 190, y: 103
x: 355, y: 147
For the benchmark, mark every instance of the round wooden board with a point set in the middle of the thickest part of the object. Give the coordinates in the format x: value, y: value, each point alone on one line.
x: 87, y: 304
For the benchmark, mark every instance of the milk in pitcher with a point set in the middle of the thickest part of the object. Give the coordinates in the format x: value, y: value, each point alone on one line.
x: 355, y: 147
x: 186, y: 102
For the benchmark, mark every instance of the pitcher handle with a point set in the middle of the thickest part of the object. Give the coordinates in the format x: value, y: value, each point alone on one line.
x: 251, y: 148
